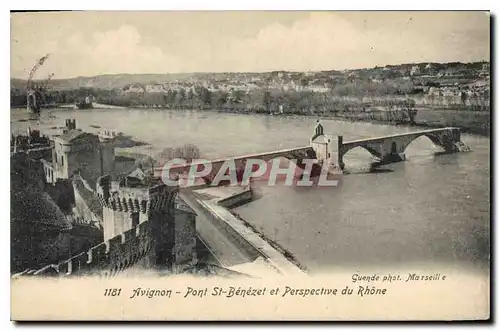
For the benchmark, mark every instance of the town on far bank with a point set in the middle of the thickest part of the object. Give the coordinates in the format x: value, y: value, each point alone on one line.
x: 427, y: 94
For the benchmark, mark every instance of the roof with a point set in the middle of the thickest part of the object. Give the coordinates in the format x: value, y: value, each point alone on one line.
x: 137, y: 173
x: 39, y: 210
x: 30, y: 204
x: 90, y: 199
x: 71, y: 135
x: 124, y: 158
x: 322, y: 139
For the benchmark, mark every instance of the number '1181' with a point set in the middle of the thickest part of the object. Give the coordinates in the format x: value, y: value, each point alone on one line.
x: 112, y: 292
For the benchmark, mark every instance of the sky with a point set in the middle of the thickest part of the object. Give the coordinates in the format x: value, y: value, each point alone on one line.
x: 94, y: 43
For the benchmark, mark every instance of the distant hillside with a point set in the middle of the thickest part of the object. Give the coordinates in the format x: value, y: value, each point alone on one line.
x: 121, y: 80
x: 107, y: 81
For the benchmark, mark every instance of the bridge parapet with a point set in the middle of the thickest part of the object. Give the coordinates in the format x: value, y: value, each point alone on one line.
x: 318, y: 149
x: 391, y: 148
x: 297, y: 154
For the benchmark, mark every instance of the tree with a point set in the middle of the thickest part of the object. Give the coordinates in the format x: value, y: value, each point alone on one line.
x: 166, y: 155
x: 463, y: 98
x: 178, y: 153
x: 222, y: 100
x: 409, y: 106
x: 181, y: 97
x: 206, y: 96
x: 172, y: 97
x: 190, y: 97
x: 63, y: 97
x: 237, y: 96
x: 267, y: 100
x: 188, y: 152
x: 191, y: 152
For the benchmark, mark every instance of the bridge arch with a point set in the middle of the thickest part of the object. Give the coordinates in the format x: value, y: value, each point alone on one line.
x: 397, y: 145
x: 298, y: 157
x: 442, y: 140
x: 391, y: 148
x: 370, y: 149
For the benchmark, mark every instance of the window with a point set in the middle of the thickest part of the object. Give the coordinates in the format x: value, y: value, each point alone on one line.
x: 62, y: 160
x: 135, y: 219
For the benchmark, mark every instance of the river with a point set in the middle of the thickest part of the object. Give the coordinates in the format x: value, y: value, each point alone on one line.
x: 432, y: 209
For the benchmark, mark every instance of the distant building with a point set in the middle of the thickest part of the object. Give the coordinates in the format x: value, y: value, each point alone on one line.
x: 485, y: 70
x: 154, y: 88
x: 79, y: 152
x: 144, y: 225
x: 415, y: 71
x: 135, y: 88
x: 430, y: 69
x: 317, y: 88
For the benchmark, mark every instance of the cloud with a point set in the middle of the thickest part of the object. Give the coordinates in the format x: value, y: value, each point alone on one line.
x: 120, y: 50
x: 332, y: 40
x: 92, y: 44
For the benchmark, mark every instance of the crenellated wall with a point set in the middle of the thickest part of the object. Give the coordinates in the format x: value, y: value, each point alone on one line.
x: 132, y: 247
x: 135, y: 247
x: 163, y: 238
x: 124, y: 208
x: 142, y: 226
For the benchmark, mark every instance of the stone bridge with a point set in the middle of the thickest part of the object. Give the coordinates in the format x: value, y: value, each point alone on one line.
x: 318, y: 149
x: 387, y: 149
x: 391, y: 148
x: 297, y: 155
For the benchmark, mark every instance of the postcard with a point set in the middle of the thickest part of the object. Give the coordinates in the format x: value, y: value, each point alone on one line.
x: 250, y: 165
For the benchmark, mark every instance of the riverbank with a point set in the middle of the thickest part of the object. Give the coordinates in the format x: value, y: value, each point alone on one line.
x: 469, y: 121
x: 94, y: 106
x: 472, y: 122
x: 478, y: 124
x: 219, y: 202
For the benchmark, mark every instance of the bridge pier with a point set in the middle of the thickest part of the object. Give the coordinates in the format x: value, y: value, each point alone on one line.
x: 451, y: 142
x: 394, y: 155
x: 340, y: 151
x: 33, y: 102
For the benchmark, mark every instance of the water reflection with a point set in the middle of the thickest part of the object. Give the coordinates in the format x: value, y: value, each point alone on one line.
x: 433, y: 207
